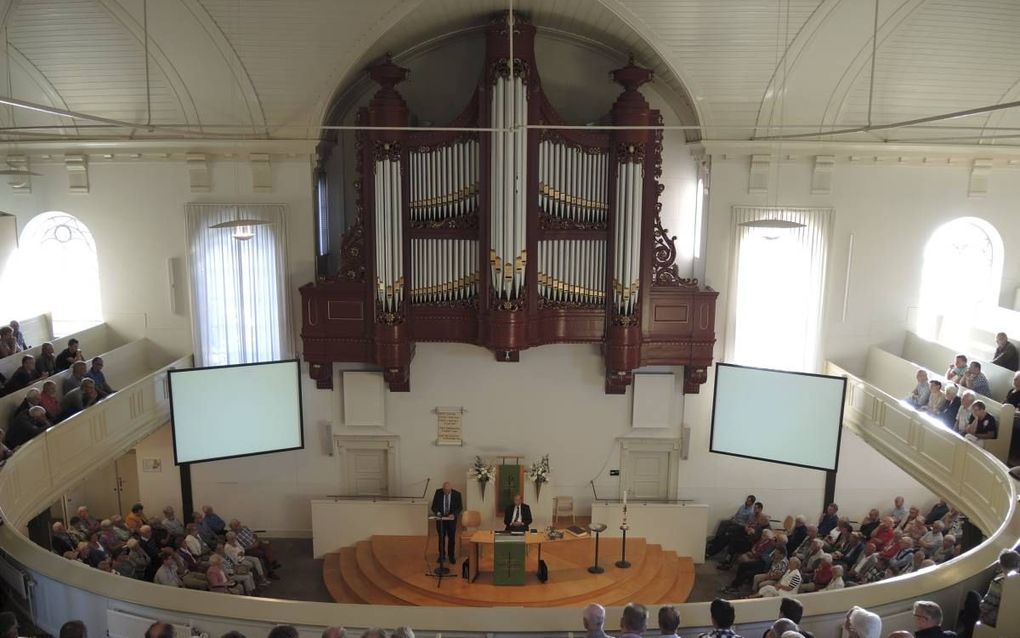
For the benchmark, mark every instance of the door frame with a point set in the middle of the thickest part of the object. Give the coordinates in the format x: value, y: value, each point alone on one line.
x: 347, y: 444
x: 671, y: 447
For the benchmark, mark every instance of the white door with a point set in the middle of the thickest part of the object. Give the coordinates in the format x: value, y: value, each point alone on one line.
x: 367, y: 472
x: 126, y: 469
x: 112, y: 489
x: 648, y: 475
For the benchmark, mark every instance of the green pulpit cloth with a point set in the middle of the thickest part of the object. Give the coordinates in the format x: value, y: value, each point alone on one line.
x: 509, y: 485
x: 508, y: 560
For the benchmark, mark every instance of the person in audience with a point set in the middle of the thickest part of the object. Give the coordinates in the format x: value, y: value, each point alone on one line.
x: 594, y: 620
x: 79, y: 370
x: 340, y: 632
x: 903, y: 557
x: 910, y: 518
x: 918, y: 562
x: 723, y: 616
x: 951, y: 406
x: 759, y: 551
x: 192, y: 562
x: 837, y: 581
x: 8, y: 345
x: 851, y: 552
x: 780, y: 628
x: 917, y: 529
x: 374, y: 632
x: 71, y: 628
x: 96, y: 374
x: 48, y: 399
x: 1005, y: 356
x: 953, y: 522
x: 286, y: 631
x: 170, y: 523
x: 802, y: 550
x: 669, y: 621
x: 195, y: 544
x: 870, y: 522
x: 216, y: 577
x: 865, y: 562
x: 31, y: 398
x: 120, y: 528
x: 811, y: 556
x: 861, y: 623
x: 167, y: 573
x: 191, y: 569
x: 60, y: 540
x: 828, y: 520
x: 894, y: 546
x: 26, y: 426
x: 47, y: 361
x: 957, y: 369
x: 726, y: 527
x: 919, y: 396
x: 758, y: 560
x: 138, y: 559
x: 932, y: 538
x: 1013, y: 396
x: 253, y: 546
x: 788, y: 584
x: 964, y: 413
x: 237, y: 572
x: 137, y: 517
x: 946, y: 551
x: 970, y: 613
x: 742, y: 540
x: 899, y: 511
x: 936, y: 399
x: 69, y: 355
x: 789, y: 609
x: 634, y: 620
x: 982, y: 425
x: 150, y: 546
x: 122, y: 564
x: 92, y: 552
x: 840, y: 538
x: 213, y: 521
x: 976, y: 380
x: 1009, y: 561
x: 108, y: 536
x: 937, y: 511
x: 19, y: 337
x: 78, y: 399
x: 89, y: 523
x: 233, y: 549
x: 24, y: 376
x: 821, y: 576
x: 928, y: 621
x: 797, y: 534
x: 884, y: 534
x: 775, y: 571
x: 205, y: 532
x: 400, y: 632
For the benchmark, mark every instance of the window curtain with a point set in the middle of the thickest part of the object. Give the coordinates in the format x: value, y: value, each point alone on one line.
x: 239, y: 306
x: 775, y: 317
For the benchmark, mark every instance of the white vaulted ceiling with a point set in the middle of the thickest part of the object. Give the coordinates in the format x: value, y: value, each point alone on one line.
x: 740, y: 68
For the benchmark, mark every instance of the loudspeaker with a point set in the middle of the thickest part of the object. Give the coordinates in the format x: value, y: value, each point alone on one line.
x: 464, y: 569
x: 543, y: 571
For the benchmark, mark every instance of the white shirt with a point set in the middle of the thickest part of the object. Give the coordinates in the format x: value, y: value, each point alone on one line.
x: 790, y: 580
x: 835, y: 583
x: 194, y: 545
x: 517, y: 514
x: 235, y: 552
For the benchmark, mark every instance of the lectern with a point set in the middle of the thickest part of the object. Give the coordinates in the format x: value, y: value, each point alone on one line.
x: 508, y: 560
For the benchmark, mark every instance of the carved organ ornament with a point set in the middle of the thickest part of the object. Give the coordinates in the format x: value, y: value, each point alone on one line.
x: 510, y: 238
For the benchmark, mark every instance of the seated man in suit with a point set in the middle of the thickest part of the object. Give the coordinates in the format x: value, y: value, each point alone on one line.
x: 517, y: 517
x: 447, y: 505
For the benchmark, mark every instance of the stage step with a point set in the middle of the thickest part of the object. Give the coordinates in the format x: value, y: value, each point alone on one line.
x: 392, y: 570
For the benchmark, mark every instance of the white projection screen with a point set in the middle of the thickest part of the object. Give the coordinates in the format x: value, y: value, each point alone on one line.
x: 793, y: 418
x: 225, y: 412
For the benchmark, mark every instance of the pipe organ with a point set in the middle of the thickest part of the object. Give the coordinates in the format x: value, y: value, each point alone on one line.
x: 509, y: 230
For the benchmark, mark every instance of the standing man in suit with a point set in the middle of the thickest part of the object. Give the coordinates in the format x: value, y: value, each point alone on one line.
x: 447, y: 505
x: 517, y: 517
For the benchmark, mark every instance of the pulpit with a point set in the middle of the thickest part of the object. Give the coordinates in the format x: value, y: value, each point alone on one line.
x: 508, y: 559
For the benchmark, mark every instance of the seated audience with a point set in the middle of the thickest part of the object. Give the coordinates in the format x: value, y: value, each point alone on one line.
x: 1005, y: 356
x: 253, y: 546
x: 851, y: 551
x: 947, y: 550
x: 216, y: 577
x: 917, y: 528
x: 167, y: 573
x: 899, y: 511
x: 789, y: 609
x: 31, y: 398
x: 19, y: 337
x: 634, y: 620
x: 837, y: 581
x: 78, y: 371
x: 78, y: 399
x: 47, y: 362
x: 797, y: 534
x: 904, y: 555
x: 936, y: 399
x: 24, y: 376
x: 957, y: 368
x: 919, y: 397
x: 138, y: 558
x: 802, y: 550
x: 60, y: 540
x: 69, y: 355
x: 821, y: 576
x: 92, y: 552
x: 234, y: 550
x: 241, y: 574
x: 864, y: 564
x: 737, y: 522
x: 195, y: 544
x: 982, y: 425
x: 775, y: 571
x: 108, y: 537
x: 928, y: 621
x: 96, y: 374
x: 669, y: 621
x: 828, y: 520
x: 976, y: 380
x: 789, y: 583
x: 861, y: 623
x: 911, y: 516
x: 170, y: 523
x: 8, y: 345
x: 937, y: 511
x: 48, y: 399
x: 963, y: 415
x: 87, y: 523
x: 811, y: 555
x: 594, y: 620
x: 917, y: 562
x: 723, y: 616
x: 204, y: 531
x: 950, y: 407
x: 884, y: 534
x: 191, y: 569
x: 136, y: 518
x: 1009, y: 561
x: 26, y: 426
x: 932, y: 538
x: 1013, y: 396
x: 869, y: 523
x: 119, y: 528
x: 213, y: 521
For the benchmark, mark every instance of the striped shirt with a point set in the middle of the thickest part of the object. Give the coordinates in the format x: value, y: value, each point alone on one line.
x: 790, y: 580
x: 246, y: 537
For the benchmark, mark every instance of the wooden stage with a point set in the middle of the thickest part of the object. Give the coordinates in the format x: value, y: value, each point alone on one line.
x: 391, y: 570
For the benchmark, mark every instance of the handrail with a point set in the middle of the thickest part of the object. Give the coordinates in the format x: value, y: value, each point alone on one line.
x: 380, y: 498
x: 953, y: 468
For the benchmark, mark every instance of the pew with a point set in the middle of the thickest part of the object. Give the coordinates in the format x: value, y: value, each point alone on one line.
x: 932, y: 355
x: 896, y: 376
x: 93, y: 340
x: 37, y: 329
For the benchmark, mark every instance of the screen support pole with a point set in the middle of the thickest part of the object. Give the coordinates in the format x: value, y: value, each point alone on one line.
x: 830, y: 488
x: 187, y: 500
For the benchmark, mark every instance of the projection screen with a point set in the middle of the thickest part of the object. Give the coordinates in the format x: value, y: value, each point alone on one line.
x: 230, y: 411
x: 793, y: 418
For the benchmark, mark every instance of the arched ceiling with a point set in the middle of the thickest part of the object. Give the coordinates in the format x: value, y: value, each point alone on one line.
x: 740, y: 68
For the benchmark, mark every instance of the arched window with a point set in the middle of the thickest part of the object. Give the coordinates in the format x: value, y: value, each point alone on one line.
x: 56, y: 270
x: 961, y: 273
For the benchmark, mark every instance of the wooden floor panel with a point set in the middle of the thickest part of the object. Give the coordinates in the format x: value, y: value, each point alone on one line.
x: 395, y: 570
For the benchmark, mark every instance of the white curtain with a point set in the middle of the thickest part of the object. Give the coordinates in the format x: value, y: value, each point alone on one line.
x: 239, y: 307
x: 777, y: 287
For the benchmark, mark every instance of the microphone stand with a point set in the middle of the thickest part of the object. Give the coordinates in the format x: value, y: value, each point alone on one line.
x: 442, y: 571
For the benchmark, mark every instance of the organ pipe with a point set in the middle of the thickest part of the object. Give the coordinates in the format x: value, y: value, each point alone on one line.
x: 508, y: 207
x: 389, y: 236
x: 444, y: 270
x: 573, y: 183
x: 444, y: 181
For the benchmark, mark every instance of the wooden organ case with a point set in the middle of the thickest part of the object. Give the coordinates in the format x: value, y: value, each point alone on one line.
x: 508, y: 237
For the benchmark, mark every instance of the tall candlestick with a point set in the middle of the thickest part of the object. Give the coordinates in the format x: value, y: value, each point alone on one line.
x: 625, y: 498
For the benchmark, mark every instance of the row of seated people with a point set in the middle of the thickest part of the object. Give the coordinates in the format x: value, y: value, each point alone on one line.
x: 32, y: 369
x: 831, y: 554
x: 12, y: 340
x: 159, y: 629
x: 206, y: 554
x: 962, y: 413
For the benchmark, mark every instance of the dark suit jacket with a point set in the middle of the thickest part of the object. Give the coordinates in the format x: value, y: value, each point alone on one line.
x: 456, y: 504
x: 508, y: 515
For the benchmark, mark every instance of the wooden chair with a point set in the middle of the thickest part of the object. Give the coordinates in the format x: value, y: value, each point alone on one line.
x: 564, y: 506
x: 788, y: 524
x: 470, y: 521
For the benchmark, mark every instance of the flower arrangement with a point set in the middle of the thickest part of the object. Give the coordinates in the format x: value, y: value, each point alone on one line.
x: 482, y: 473
x: 539, y: 473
